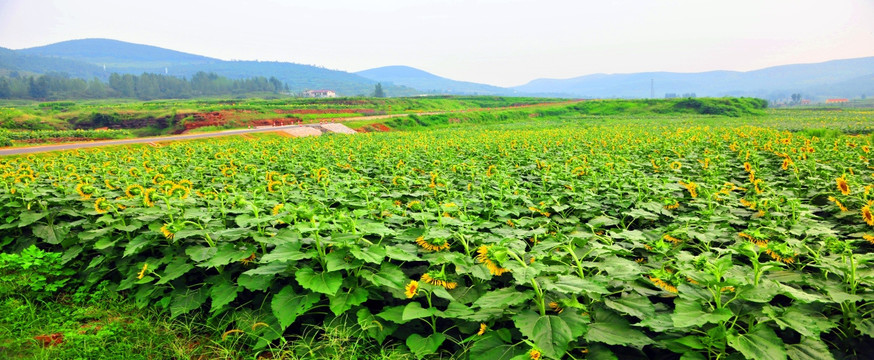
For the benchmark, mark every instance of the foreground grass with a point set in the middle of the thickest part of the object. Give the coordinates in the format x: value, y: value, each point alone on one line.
x: 113, y: 328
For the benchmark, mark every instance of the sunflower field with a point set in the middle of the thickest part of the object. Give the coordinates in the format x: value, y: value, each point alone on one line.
x: 562, y: 239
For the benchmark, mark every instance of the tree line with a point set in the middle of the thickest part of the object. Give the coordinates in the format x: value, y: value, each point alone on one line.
x: 57, y: 86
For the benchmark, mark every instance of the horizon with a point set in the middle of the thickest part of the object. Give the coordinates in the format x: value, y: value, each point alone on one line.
x: 501, y: 43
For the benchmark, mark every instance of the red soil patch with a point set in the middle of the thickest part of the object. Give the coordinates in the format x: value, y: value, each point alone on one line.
x: 380, y: 127
x: 324, y: 111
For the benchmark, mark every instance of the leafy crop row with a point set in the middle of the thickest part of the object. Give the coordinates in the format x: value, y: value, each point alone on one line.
x: 617, y: 240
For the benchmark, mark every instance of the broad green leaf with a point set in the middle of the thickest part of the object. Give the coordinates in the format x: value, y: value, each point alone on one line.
x: 196, y: 253
x: 866, y: 327
x: 341, y: 259
x: 689, y: 313
x: 138, y: 243
x: 255, y: 282
x: 414, y: 310
x: 809, y: 349
x: 372, y: 254
x: 394, y: 314
x: 525, y: 321
x: 616, y: 333
x: 552, y: 335
x: 568, y: 284
x: 228, y: 253
x: 490, y: 346
x: 327, y: 283
x: 185, y: 301
x: 389, y: 275
x: 30, y: 217
x: 760, y: 344
x: 49, y: 234
x: 176, y: 268
x: 634, y: 305
x: 457, y: 310
x: 374, y: 328
x: 402, y: 253
x: 288, y: 305
x: 289, y: 251
x: 603, y: 221
x: 421, y: 346
x: 345, y: 300
x: 503, y: 298
x: 806, y: 322
x: 269, y: 269
x: 222, y: 294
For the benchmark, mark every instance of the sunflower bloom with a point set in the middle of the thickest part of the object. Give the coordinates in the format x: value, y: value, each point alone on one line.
x: 84, y: 192
x: 838, y: 203
x: 663, y: 284
x: 673, y: 206
x: 166, y: 231
x: 535, y: 354
x: 868, y: 238
x: 691, y: 187
x: 483, y: 257
x: 133, y: 190
x: 482, y: 329
x: 276, y: 209
x: 411, y: 289
x: 867, y: 216
x: 147, y: 197
x: 433, y: 244
x: 436, y: 281
x: 843, y: 186
x: 671, y: 239
x: 98, y: 205
x: 143, y: 271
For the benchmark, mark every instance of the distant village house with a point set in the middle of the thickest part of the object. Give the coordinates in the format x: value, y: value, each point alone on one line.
x: 319, y: 93
x: 836, y: 101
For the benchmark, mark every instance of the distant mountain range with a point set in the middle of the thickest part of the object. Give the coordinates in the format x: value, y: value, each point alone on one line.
x: 86, y: 58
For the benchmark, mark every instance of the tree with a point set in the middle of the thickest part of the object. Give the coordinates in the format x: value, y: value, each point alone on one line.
x: 796, y: 98
x: 377, y: 90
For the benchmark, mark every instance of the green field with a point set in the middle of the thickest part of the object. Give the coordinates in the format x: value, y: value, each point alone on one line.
x: 706, y: 229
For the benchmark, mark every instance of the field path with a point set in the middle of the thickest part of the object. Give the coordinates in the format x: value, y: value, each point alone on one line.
x: 156, y: 139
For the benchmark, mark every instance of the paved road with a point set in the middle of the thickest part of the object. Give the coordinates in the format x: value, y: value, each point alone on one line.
x: 82, y: 145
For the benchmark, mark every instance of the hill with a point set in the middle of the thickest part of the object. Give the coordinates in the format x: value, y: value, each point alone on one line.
x: 129, y: 58
x: 428, y: 82
x: 12, y: 61
x: 815, y: 81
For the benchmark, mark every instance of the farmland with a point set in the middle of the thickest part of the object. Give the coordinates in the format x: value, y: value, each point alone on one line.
x: 591, y: 231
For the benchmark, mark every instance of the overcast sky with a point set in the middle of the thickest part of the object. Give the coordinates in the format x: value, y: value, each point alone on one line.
x: 499, y: 42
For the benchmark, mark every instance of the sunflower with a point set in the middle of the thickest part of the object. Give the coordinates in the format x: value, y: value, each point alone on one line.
x: 276, y: 209
x: 748, y: 167
x: 100, y: 205
x: 671, y: 239
x: 868, y: 238
x: 673, y: 206
x: 535, y: 354
x: 482, y: 329
x: 786, y: 163
x: 676, y: 165
x: 843, y: 186
x: 271, y: 186
x: 866, y: 214
x: 147, y: 197
x: 438, y: 279
x: 411, y: 289
x: 166, y: 231
x: 663, y: 284
x: 837, y: 203
x: 133, y: 190
x: 85, y: 190
x: 691, y: 187
x: 432, y: 244
x: 485, y: 258
x: 143, y: 271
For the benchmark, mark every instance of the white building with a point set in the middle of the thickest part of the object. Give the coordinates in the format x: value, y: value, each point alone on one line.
x: 319, y: 93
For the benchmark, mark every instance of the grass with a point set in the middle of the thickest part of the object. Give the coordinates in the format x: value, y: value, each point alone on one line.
x: 109, y: 326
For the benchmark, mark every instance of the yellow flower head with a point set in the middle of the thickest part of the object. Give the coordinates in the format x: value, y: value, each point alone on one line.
x: 133, y: 190
x: 166, y: 231
x: 438, y: 280
x: 484, y: 257
x: 276, y: 209
x: 411, y: 289
x: 867, y: 216
x: 85, y: 190
x: 482, y: 329
x: 143, y: 271
x: 676, y: 165
x: 843, y: 186
x: 100, y: 205
x: 535, y: 354
x: 273, y: 186
x: 179, y: 191
x: 147, y: 197
x: 432, y: 244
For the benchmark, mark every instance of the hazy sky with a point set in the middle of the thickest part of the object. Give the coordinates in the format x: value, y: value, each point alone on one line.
x: 500, y: 42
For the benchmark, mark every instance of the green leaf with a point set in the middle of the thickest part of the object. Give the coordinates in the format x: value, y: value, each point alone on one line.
x: 394, y: 314
x: 346, y: 300
x: 138, y: 243
x: 457, y: 310
x: 288, y: 305
x: 222, y: 294
x: 389, y: 275
x: 372, y: 254
x: 525, y: 321
x: 809, y: 349
x: 490, y: 346
x: 289, y: 251
x: 374, y: 328
x: 866, y: 327
x: 806, y: 322
x: 634, y: 305
x: 178, y: 267
x: 760, y: 344
x: 616, y: 333
x: 186, y: 300
x: 421, y: 346
x: 689, y: 313
x: 29, y: 217
x: 327, y: 283
x: 402, y: 253
x: 575, y: 285
x: 552, y: 335
x: 255, y: 282
x: 269, y: 269
x: 49, y: 234
x: 503, y: 298
x: 414, y: 310
x: 603, y: 221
